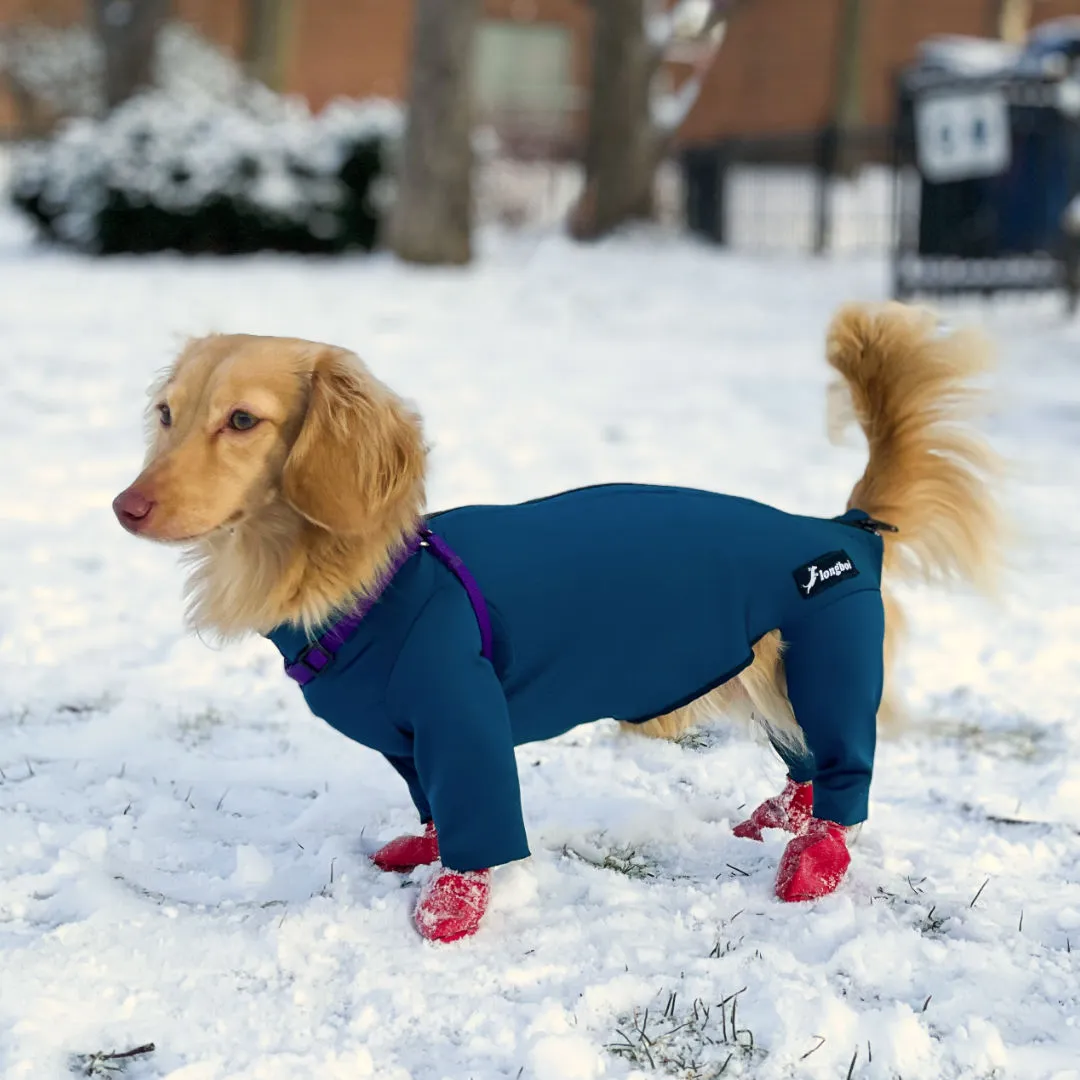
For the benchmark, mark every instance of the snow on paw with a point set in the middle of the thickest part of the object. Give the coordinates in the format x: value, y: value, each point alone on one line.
x: 791, y: 811
x: 452, y: 904
x: 813, y: 864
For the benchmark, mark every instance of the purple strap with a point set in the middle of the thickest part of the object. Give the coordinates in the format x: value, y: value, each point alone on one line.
x: 449, y: 558
x: 316, y: 657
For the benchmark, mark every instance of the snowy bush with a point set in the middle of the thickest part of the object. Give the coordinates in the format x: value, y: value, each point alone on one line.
x: 197, y: 174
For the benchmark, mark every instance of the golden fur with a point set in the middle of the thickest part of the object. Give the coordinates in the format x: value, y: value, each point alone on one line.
x: 294, y: 519
x: 908, y: 386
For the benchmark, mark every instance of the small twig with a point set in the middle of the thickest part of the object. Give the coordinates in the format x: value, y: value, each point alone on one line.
x: 869, y: 1052
x: 97, y: 1064
x: 146, y: 1048
x: 979, y: 893
x: 1020, y: 928
x: 737, y: 870
x: 926, y: 1003
x: 816, y: 1048
x: 222, y: 799
x: 29, y: 769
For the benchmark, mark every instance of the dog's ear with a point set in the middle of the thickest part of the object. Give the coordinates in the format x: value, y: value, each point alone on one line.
x: 359, y: 457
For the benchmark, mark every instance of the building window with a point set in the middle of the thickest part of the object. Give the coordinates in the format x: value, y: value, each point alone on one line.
x: 522, y: 79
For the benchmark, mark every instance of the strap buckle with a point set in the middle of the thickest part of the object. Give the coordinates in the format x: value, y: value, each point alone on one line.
x: 872, y: 525
x: 313, y: 660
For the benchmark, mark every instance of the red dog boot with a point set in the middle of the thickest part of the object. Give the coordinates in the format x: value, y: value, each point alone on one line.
x: 452, y: 904
x: 408, y: 852
x: 790, y: 810
x: 813, y: 864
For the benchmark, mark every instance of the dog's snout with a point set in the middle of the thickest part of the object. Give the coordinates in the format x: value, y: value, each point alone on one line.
x: 132, y: 509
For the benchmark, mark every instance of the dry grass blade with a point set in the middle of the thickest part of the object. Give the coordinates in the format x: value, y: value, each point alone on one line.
x: 979, y: 893
x: 851, y: 1067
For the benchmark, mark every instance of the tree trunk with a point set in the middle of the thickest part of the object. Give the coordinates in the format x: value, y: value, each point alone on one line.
x: 843, y: 155
x: 128, y: 32
x: 847, y: 107
x: 268, y: 32
x: 432, y: 217
x: 622, y: 144
x: 1013, y: 20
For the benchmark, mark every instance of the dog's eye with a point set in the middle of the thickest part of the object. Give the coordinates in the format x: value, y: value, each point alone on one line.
x: 242, y: 421
x: 165, y: 414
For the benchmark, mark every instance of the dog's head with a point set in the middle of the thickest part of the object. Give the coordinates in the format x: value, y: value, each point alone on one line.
x: 241, y: 424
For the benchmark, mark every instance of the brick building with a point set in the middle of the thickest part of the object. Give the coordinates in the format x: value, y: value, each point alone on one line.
x: 776, y: 72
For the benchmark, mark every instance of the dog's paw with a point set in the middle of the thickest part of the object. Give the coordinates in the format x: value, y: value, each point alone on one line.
x: 452, y: 904
x: 814, y: 864
x: 791, y: 811
x: 406, y: 853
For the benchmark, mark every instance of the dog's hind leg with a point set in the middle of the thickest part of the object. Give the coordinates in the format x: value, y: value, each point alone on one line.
x: 756, y: 696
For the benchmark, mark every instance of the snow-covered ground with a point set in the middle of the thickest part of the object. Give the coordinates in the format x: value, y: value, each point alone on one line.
x: 183, y: 848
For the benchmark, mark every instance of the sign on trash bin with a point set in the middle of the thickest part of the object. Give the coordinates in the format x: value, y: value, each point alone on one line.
x: 960, y: 136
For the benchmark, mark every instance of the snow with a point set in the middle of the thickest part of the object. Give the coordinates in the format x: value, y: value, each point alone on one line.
x: 971, y: 56
x: 183, y: 847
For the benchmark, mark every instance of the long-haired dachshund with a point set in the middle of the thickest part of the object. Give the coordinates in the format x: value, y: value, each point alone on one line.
x: 295, y: 481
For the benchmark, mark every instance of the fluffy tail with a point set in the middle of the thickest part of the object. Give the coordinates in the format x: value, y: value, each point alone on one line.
x: 908, y: 385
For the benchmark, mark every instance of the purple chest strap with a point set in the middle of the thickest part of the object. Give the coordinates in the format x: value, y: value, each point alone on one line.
x: 317, y: 656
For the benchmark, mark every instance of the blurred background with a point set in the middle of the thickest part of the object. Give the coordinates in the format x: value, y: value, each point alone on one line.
x: 940, y: 132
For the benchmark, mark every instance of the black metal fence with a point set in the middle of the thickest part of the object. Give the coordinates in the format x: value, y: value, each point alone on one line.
x: 811, y: 191
x: 968, y: 192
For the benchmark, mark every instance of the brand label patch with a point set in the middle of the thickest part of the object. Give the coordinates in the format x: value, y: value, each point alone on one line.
x: 823, y: 573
